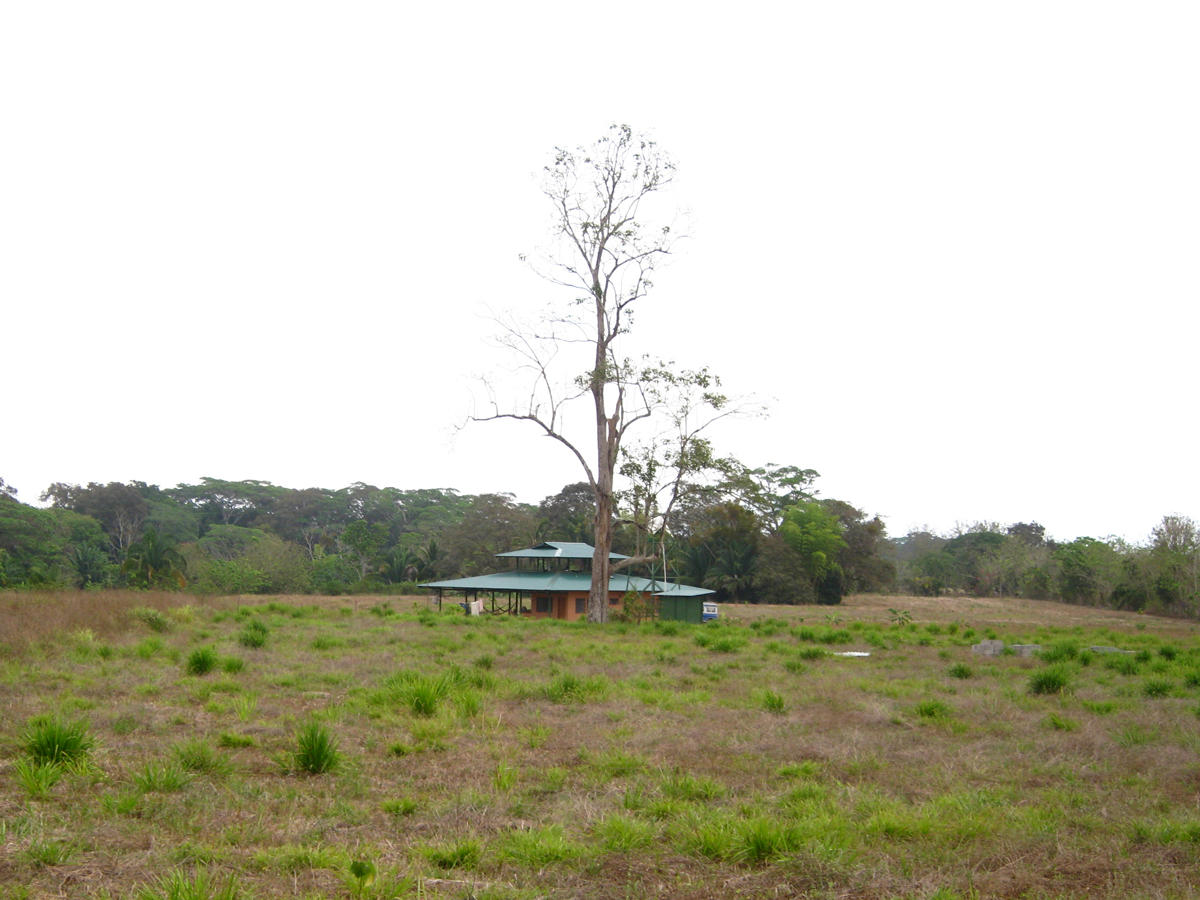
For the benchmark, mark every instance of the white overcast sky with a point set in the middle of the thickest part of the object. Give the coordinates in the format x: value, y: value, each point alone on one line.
x: 954, y: 245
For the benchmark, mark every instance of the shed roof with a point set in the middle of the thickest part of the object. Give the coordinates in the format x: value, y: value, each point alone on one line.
x: 559, y: 550
x: 559, y: 582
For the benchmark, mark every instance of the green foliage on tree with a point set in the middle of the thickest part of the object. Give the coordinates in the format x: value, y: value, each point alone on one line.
x: 567, y: 515
x: 493, y: 523
x: 364, y: 542
x: 815, y: 534
x: 49, y: 547
x: 752, y: 534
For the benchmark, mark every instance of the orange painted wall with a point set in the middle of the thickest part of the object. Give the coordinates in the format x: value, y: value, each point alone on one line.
x: 562, y: 606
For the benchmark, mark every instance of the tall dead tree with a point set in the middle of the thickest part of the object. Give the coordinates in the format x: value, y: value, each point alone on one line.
x: 606, y: 250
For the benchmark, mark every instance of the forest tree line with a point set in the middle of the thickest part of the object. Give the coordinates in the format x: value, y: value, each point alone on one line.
x: 759, y: 536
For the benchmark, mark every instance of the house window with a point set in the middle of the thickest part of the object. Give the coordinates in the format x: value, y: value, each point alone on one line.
x: 613, y: 599
x: 580, y: 605
x: 541, y: 604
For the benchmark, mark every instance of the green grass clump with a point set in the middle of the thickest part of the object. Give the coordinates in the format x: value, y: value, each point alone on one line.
x: 534, y: 736
x: 1123, y: 663
x: 151, y: 618
x: 463, y: 854
x: 1157, y: 687
x: 714, y: 640
x: 1135, y: 735
x: 710, y: 836
x: 538, y: 847
x: 617, y: 763
x: 1051, y: 680
x: 232, y: 740
x: 201, y: 661
x: 1061, y: 723
x: 50, y: 853
x: 620, y: 833
x: 254, y: 635
x: 934, y: 710
x: 177, y: 885
x: 316, y: 750
x: 771, y: 701
x: 504, y: 778
x: 198, y: 756
x: 571, y: 688
x: 684, y: 786
x: 762, y: 839
x: 422, y: 694
x: 49, y: 739
x: 37, y: 778
x: 162, y: 778
x: 1060, y: 651
x: 403, y: 806
x: 960, y: 670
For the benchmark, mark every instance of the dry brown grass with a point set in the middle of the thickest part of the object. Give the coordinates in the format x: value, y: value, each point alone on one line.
x: 29, y: 617
x: 990, y: 797
x: 1009, y: 613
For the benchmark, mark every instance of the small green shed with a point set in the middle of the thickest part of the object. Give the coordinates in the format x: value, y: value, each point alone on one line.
x: 681, y: 609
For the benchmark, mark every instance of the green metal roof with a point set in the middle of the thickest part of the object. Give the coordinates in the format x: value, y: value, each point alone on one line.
x: 559, y: 550
x: 558, y: 582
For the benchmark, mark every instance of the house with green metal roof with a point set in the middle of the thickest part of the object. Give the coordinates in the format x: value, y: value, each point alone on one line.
x: 553, y: 580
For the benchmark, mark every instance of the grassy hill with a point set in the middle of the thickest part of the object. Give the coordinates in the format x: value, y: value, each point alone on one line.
x: 366, y: 747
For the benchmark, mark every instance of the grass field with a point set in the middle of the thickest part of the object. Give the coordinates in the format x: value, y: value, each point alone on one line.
x: 157, y: 746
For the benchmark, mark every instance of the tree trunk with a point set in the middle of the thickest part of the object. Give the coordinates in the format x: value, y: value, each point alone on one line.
x: 598, y: 597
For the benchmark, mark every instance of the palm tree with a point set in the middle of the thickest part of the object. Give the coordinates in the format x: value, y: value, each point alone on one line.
x: 153, y: 560
x: 733, y: 568
x: 695, y: 562
x: 430, y: 557
x: 91, y: 564
x: 402, y: 564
